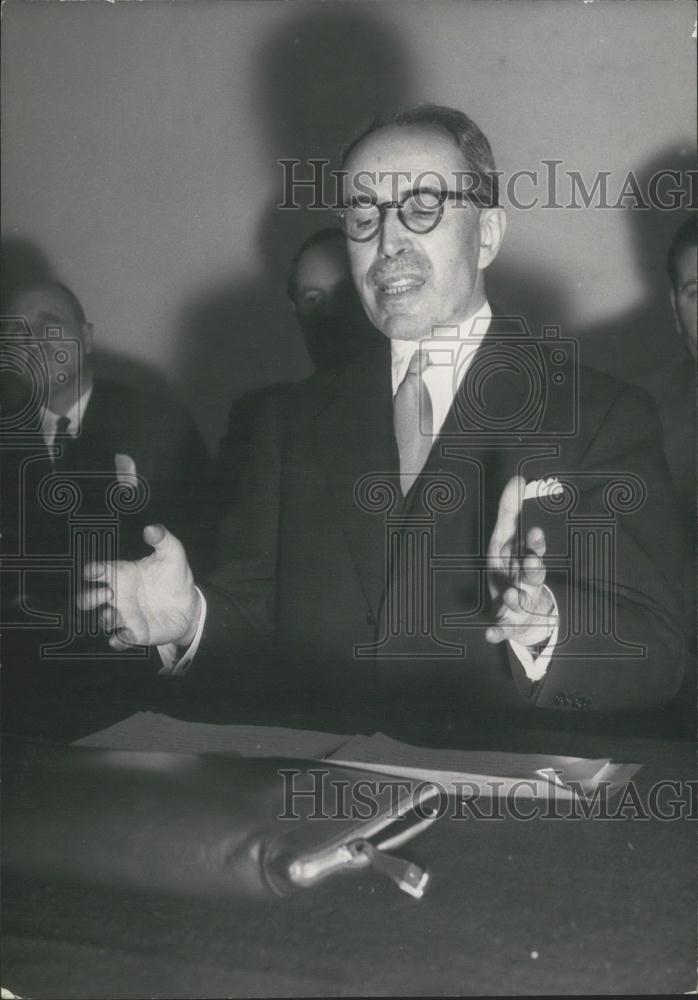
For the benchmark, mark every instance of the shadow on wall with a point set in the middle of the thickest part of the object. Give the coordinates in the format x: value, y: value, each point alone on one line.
x: 320, y: 77
x: 635, y: 344
x: 515, y: 289
x: 21, y: 261
x: 24, y: 262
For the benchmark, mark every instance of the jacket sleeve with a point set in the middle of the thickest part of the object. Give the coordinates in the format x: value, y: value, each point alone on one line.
x: 617, y: 575
x: 241, y: 591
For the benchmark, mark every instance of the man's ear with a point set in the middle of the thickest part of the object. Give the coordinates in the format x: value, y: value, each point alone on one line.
x: 87, y: 334
x: 493, y: 225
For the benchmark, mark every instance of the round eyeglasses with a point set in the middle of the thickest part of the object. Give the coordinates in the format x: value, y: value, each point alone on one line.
x: 419, y: 211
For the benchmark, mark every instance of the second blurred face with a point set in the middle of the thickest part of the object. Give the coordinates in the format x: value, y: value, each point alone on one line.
x: 328, y: 310
x: 684, y: 296
x: 62, y: 336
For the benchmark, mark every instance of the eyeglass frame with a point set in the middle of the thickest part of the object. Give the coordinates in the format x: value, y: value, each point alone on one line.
x: 385, y: 205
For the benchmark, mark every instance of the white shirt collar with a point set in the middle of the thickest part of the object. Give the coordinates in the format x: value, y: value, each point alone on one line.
x: 74, y: 415
x: 471, y: 330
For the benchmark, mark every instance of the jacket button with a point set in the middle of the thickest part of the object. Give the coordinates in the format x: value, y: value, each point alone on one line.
x: 561, y: 699
x: 370, y: 617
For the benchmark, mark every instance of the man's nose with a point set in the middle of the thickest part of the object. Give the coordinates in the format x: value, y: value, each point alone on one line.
x: 393, y: 235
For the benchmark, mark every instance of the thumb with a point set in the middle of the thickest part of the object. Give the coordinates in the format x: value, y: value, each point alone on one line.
x: 510, y: 505
x: 160, y: 539
x: 124, y: 467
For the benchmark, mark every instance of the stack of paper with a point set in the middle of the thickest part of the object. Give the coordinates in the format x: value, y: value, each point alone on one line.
x: 456, y: 771
x: 530, y: 775
x: 153, y: 731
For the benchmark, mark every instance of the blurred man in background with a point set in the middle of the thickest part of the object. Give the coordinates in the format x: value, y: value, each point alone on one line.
x: 329, y: 312
x: 334, y: 328
x: 676, y: 392
x: 86, y: 463
x: 93, y: 425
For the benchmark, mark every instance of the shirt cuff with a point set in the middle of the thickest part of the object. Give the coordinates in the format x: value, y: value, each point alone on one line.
x: 536, y: 666
x: 176, y: 662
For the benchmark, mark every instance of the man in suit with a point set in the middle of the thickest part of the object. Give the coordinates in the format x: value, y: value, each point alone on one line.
x: 460, y: 519
x: 328, y: 311
x: 675, y: 387
x: 334, y: 329
x: 86, y: 463
x: 94, y: 429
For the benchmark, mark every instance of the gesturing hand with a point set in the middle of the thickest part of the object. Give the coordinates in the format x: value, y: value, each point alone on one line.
x: 524, y: 606
x: 149, y: 602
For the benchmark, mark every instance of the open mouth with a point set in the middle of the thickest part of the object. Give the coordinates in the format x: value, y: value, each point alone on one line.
x: 399, y: 286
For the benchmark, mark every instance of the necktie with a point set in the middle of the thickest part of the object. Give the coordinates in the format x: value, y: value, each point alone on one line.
x: 60, y: 438
x: 413, y: 421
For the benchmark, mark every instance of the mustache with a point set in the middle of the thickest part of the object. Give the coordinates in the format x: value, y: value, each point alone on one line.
x: 407, y: 266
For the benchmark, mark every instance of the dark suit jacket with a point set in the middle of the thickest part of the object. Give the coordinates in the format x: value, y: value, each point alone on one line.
x: 58, y: 677
x: 234, y: 450
x: 364, y: 599
x: 168, y: 453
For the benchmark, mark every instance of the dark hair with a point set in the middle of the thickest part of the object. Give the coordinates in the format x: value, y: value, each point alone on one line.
x: 470, y: 140
x: 322, y: 236
x: 30, y: 286
x: 685, y: 236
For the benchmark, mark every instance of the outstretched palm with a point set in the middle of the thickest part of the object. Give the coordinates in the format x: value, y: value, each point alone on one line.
x: 149, y: 602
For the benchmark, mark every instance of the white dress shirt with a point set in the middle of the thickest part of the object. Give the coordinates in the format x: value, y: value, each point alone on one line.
x: 74, y: 415
x: 174, y: 661
x: 450, y: 351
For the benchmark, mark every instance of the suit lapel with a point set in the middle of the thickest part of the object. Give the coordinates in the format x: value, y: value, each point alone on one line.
x: 356, y: 444
x: 475, y: 441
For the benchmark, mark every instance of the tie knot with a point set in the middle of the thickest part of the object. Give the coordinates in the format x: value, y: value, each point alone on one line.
x: 62, y: 425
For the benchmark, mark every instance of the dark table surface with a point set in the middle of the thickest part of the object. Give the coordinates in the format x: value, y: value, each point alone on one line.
x: 514, y: 907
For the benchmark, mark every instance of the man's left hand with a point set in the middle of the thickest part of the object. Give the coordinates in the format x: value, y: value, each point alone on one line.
x: 524, y: 606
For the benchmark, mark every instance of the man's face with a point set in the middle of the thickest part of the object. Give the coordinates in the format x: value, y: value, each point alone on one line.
x: 64, y: 339
x: 322, y: 273
x: 410, y: 282
x: 683, y: 299
x: 327, y: 308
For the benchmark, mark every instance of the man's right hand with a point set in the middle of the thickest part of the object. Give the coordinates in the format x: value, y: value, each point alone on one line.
x: 149, y: 602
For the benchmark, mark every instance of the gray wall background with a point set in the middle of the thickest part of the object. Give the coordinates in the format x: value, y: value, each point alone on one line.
x: 140, y: 143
